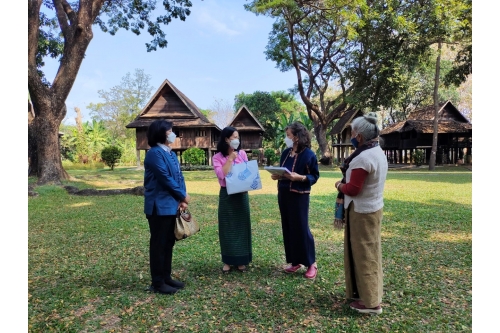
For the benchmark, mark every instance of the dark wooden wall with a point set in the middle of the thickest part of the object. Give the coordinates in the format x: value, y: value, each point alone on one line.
x: 250, y: 140
x: 169, y: 103
x: 186, y: 138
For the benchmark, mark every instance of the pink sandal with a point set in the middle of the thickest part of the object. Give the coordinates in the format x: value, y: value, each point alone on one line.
x: 311, y: 273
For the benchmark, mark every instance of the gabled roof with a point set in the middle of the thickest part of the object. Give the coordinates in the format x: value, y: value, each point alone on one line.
x: 396, y: 127
x: 446, y: 111
x: 427, y: 126
x: 345, y: 120
x: 244, y: 120
x: 422, y: 120
x: 171, y: 104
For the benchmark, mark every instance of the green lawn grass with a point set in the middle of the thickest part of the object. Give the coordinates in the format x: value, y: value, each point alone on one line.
x: 88, y: 261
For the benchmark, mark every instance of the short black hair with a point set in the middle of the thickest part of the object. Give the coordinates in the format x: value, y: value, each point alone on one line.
x: 222, y: 145
x: 157, y: 132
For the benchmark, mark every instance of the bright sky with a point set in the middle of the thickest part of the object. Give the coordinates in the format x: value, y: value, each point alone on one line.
x: 217, y: 53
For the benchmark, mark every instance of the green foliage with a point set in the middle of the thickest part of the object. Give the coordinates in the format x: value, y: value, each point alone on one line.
x: 264, y: 107
x: 50, y: 43
x: 86, y: 145
x: 337, y: 43
x: 122, y: 103
x: 289, y: 104
x: 111, y: 155
x: 207, y: 113
x: 96, y: 137
x: 344, y: 45
x: 63, y: 30
x: 129, y: 152
x: 283, y: 122
x: 83, y: 142
x: 271, y: 156
x: 88, y: 261
x: 68, y: 144
x: 419, y: 84
x: 418, y: 157
x: 194, y: 156
x: 129, y: 15
x: 449, y: 22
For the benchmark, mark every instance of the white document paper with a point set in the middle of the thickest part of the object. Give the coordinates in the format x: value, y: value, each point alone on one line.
x: 277, y: 170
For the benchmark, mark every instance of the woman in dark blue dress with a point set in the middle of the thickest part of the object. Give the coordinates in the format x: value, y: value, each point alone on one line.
x: 293, y: 199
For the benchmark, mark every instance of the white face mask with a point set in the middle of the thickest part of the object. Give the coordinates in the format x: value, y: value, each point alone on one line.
x: 288, y: 142
x: 171, y: 137
x: 235, y: 143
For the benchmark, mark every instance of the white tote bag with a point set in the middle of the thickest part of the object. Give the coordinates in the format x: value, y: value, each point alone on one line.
x: 243, y: 177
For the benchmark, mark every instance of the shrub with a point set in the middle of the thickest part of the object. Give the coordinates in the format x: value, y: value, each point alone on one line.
x: 271, y: 156
x: 110, y: 155
x: 194, y: 156
x: 418, y: 157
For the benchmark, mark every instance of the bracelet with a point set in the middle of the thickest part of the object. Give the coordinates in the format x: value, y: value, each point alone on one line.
x: 338, y: 185
x: 304, y: 179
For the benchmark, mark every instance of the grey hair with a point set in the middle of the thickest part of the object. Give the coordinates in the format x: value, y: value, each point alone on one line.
x: 366, y: 126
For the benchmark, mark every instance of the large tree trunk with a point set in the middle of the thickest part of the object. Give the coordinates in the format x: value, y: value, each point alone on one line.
x: 43, y: 137
x: 32, y: 152
x: 432, y: 160
x: 49, y: 102
x: 320, y: 132
x: 48, y: 165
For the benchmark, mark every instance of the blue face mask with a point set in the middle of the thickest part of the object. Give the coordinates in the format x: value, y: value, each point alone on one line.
x: 355, y: 142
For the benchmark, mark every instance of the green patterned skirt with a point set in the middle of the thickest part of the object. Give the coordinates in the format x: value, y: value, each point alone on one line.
x: 235, y: 231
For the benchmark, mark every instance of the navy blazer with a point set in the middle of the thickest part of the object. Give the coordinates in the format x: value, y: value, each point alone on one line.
x: 164, y: 185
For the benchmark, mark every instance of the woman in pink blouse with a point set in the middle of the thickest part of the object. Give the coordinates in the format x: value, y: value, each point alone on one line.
x: 235, y: 235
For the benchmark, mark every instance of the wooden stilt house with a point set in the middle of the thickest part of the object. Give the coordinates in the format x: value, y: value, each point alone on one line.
x: 249, y: 129
x: 341, y: 135
x: 400, y: 140
x: 192, y: 128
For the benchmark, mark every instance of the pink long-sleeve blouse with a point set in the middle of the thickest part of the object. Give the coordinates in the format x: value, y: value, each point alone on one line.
x: 218, y: 161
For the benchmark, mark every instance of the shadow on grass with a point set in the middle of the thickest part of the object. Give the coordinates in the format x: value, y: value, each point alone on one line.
x: 94, y: 250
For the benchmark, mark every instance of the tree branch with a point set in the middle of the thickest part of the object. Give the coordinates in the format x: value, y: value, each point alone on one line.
x: 97, y: 6
x: 62, y: 18
x: 76, y: 43
x: 35, y: 84
x: 334, y: 114
x: 69, y: 12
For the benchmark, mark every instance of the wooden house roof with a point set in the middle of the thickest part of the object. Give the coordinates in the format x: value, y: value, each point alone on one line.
x: 422, y: 120
x: 345, y: 120
x: 245, y: 121
x: 427, y: 126
x: 171, y: 104
x: 447, y: 111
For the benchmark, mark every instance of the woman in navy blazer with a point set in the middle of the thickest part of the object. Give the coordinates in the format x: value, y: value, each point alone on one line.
x: 293, y: 199
x: 164, y: 193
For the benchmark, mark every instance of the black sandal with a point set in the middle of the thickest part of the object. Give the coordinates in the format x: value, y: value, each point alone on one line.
x: 225, y: 271
x: 244, y: 269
